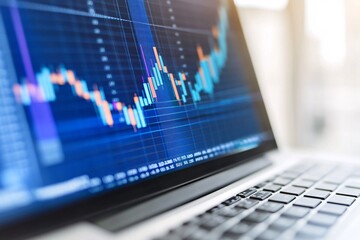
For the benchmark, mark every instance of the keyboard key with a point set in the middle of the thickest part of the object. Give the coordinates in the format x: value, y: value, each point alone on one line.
x: 232, y: 200
x: 312, y: 231
x: 181, y: 232
x: 327, y: 186
x: 216, y: 208
x: 257, y: 217
x: 268, y: 234
x: 212, y: 222
x: 260, y: 185
x: 271, y: 179
x: 198, y: 234
x: 317, y: 194
x: 296, y: 212
x: 290, y: 175
x: 272, y: 188
x: 202, y: 217
x: 237, y: 230
x: 320, y: 170
x: 315, y: 174
x: 260, y: 195
x: 282, y: 181
x: 312, y: 177
x: 282, y: 223
x: 307, y: 202
x: 229, y: 212
x: 282, y: 198
x: 303, y: 183
x: 293, y: 190
x: 333, y: 209
x: 356, y: 174
x: 196, y: 220
x: 247, y: 192
x: 342, y: 200
x: 247, y: 203
x: 300, y: 168
x: 321, y: 219
x: 168, y: 237
x: 351, y: 192
x: 270, y: 207
x: 337, y: 177
x: 353, y: 184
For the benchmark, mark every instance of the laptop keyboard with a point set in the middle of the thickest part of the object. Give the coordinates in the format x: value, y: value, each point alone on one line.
x: 303, y: 202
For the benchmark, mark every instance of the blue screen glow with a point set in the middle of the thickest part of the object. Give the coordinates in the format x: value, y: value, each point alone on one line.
x: 96, y: 95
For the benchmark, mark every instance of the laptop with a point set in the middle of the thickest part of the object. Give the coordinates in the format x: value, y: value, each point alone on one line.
x: 143, y: 119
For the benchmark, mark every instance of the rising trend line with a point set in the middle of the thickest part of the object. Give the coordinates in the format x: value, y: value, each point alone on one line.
x: 208, y: 74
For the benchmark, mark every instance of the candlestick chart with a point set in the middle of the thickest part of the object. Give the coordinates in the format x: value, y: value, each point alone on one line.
x: 184, y: 88
x: 120, y: 91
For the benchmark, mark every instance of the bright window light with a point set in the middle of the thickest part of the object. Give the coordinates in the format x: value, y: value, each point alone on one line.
x: 325, y: 22
x: 263, y: 4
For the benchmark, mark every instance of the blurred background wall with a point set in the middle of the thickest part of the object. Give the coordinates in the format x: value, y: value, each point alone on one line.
x: 306, y: 55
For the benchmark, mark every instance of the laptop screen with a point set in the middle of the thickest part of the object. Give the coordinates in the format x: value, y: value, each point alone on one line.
x: 97, y: 96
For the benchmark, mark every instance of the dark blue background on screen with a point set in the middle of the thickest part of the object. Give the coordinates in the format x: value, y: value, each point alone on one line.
x: 126, y: 115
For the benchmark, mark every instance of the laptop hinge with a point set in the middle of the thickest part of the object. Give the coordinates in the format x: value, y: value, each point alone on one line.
x: 179, y: 196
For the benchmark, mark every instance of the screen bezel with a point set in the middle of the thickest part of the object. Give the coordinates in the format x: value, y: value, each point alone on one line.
x: 87, y: 208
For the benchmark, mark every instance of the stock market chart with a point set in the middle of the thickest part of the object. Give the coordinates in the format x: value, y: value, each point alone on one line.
x: 102, y: 94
